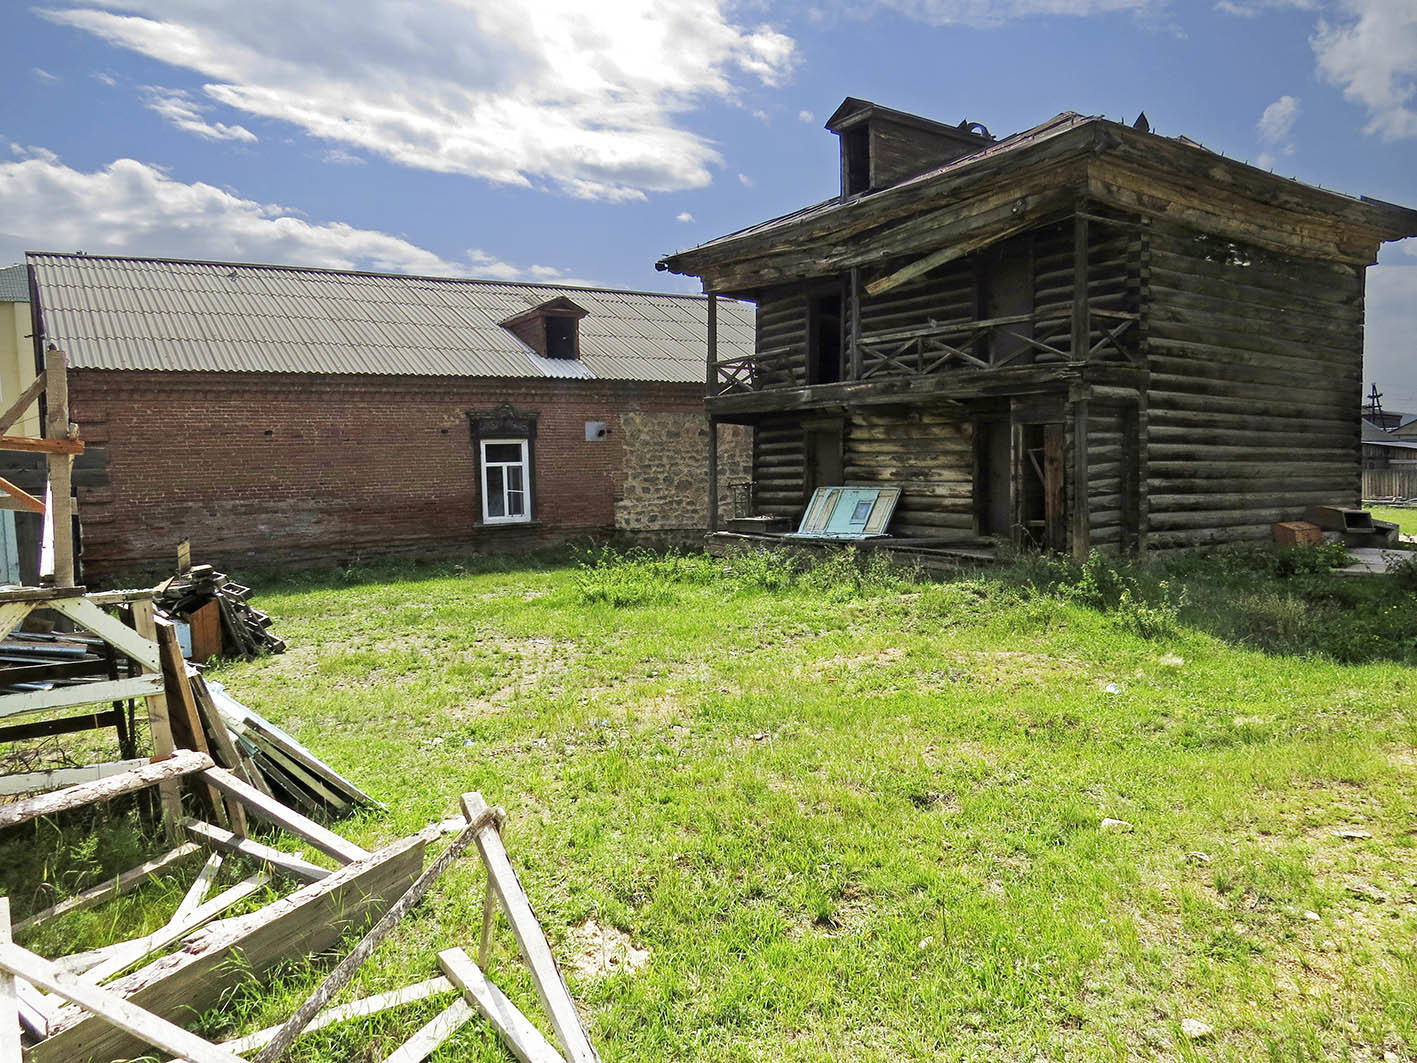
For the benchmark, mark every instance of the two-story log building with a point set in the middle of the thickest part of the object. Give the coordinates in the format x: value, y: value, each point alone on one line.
x: 1081, y: 335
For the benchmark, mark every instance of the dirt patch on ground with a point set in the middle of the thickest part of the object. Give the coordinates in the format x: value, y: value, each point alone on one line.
x: 600, y: 951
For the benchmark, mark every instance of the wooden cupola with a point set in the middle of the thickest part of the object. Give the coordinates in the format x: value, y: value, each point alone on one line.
x: 551, y: 329
x: 881, y: 147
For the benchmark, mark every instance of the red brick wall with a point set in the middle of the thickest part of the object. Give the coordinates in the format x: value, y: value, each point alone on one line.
x: 273, y: 469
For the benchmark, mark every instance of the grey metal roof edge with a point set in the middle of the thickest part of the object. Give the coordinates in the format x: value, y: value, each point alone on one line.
x: 14, y: 283
x: 362, y: 273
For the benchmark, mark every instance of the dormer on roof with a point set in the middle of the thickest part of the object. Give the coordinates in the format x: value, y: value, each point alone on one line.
x: 881, y: 147
x: 551, y: 329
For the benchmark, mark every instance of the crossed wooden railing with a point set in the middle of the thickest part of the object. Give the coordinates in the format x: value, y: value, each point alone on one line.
x: 941, y: 346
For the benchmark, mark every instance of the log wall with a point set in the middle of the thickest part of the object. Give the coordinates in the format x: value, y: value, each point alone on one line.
x: 929, y: 454
x: 780, y: 467
x: 1255, y: 365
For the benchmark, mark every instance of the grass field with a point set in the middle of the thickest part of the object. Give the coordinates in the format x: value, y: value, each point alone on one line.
x: 854, y: 816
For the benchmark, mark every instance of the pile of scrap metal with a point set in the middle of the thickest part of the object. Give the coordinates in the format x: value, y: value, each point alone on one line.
x: 219, y: 613
x: 117, y: 1001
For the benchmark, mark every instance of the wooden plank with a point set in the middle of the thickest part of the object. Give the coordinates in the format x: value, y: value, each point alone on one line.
x: 187, y: 727
x: 226, y: 755
x: 129, y: 953
x: 16, y: 410
x: 357, y: 1009
x: 433, y: 1033
x: 79, y: 694
x: 19, y: 732
x: 159, y: 722
x: 288, y: 863
x: 183, y: 762
x: 327, y: 841
x: 112, y: 630
x: 55, y: 778
x: 112, y: 1008
x: 61, y: 447
x: 522, y: 1039
x: 10, y: 1050
x: 12, y: 615
x: 21, y: 498
x: 345, y: 970
x: 231, y: 951
x: 65, y: 447
x: 550, y: 986
x: 37, y: 1010
x: 951, y: 253
x: 121, y: 884
x: 199, y: 889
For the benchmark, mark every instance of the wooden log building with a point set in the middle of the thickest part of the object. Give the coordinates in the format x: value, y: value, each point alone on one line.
x: 1082, y: 335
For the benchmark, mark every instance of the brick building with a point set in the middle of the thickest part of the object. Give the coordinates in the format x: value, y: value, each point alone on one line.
x: 276, y: 416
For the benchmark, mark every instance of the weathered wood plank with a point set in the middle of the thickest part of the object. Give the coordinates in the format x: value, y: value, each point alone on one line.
x: 183, y: 762
x: 268, y: 808
x: 112, y: 1008
x: 522, y: 1039
x: 288, y: 863
x: 121, y: 884
x: 10, y: 1051
x: 54, y: 778
x: 432, y: 1034
x: 112, y: 630
x: 68, y: 697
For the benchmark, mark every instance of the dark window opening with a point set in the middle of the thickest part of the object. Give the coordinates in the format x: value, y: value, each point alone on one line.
x: 824, y: 335
x: 560, y: 337
x: 856, y: 160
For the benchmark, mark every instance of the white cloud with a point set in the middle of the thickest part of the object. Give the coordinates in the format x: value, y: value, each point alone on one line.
x: 1251, y: 8
x: 683, y: 216
x: 805, y: 116
x: 1275, y: 128
x: 104, y: 78
x: 1370, y: 52
x: 986, y: 13
x: 585, y: 97
x: 44, y: 75
x: 129, y: 207
x: 177, y: 108
x: 745, y: 180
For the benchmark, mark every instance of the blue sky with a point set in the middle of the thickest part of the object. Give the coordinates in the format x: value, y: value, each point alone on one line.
x: 559, y: 140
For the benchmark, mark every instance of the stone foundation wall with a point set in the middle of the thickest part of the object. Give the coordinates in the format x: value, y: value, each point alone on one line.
x: 665, y: 470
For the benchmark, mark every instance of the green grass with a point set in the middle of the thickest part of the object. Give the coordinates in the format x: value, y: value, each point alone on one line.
x: 1405, y: 519
x: 854, y: 815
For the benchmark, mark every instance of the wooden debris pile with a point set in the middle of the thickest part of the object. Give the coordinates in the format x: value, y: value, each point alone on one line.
x: 118, y: 1001
x: 224, y: 623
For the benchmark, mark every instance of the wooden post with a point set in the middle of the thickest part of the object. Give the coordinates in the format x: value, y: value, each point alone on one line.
x: 853, y: 296
x: 10, y: 1051
x: 1082, y: 501
x: 1082, y: 325
x: 56, y: 426
x: 713, y: 476
x: 711, y: 388
x: 711, y: 368
x: 145, y: 623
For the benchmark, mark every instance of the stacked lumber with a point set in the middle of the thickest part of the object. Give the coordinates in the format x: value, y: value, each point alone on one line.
x: 117, y: 1000
x: 208, y: 600
x: 289, y: 770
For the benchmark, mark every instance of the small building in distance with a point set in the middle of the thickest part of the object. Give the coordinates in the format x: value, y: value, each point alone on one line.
x: 279, y: 416
x: 1082, y: 335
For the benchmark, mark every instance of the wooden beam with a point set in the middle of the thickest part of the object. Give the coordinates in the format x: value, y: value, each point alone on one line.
x: 159, y: 722
x: 10, y: 1049
x: 432, y: 1034
x: 183, y: 762
x: 268, y: 808
x: 27, y: 445
x: 112, y: 1008
x: 128, y: 880
x: 186, y: 725
x: 22, y: 498
x: 33, y: 782
x: 12, y: 615
x: 201, y: 886
x: 555, y: 997
x: 357, y: 1009
x: 16, y: 410
x: 522, y: 1039
x: 67, y: 697
x: 340, y: 976
x: 234, y: 950
x: 61, y: 447
x: 113, y: 631
x: 945, y: 255
x: 178, y: 927
x: 91, y: 721
x: 296, y: 867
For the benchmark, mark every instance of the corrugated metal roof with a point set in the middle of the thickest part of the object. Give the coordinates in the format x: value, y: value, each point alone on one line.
x: 142, y: 313
x: 14, y: 284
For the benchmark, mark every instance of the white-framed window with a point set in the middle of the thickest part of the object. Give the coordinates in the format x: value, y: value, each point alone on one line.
x: 506, y: 481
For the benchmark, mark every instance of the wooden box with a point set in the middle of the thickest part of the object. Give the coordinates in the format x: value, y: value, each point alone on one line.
x: 1297, y: 533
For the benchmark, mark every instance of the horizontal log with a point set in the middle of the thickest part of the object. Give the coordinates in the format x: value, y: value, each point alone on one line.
x: 183, y: 762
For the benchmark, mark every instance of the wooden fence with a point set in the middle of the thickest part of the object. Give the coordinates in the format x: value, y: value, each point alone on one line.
x: 1390, y: 483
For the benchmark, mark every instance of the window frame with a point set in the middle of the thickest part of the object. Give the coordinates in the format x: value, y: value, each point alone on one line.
x: 524, y: 464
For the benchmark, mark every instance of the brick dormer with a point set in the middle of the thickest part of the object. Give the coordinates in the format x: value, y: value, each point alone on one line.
x: 551, y: 329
